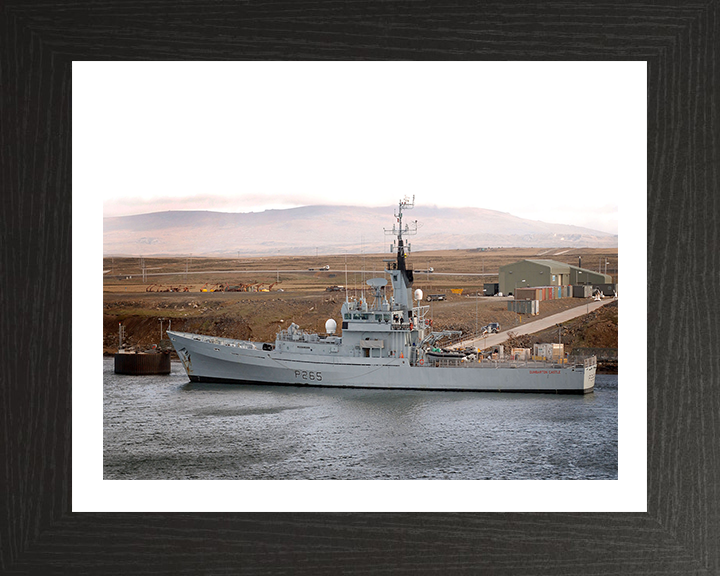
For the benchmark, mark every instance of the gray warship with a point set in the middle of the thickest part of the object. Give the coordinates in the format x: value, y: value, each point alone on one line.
x: 386, y: 343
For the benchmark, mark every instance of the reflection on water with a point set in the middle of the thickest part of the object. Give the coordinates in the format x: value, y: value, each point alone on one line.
x: 164, y: 427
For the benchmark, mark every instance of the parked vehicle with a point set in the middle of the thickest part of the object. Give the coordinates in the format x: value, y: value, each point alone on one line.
x: 435, y: 297
x: 492, y: 328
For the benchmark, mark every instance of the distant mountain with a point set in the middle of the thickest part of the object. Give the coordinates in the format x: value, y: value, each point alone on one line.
x: 331, y: 230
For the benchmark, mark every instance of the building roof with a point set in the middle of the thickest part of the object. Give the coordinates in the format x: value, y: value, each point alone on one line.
x: 555, y: 266
x: 588, y: 271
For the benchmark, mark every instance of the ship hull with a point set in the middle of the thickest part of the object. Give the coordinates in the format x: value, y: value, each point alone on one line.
x: 222, y: 360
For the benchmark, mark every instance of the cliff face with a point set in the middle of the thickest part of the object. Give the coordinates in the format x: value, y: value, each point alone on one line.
x: 242, y: 319
x: 143, y: 332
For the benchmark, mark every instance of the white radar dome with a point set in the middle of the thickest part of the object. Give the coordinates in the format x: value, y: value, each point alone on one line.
x: 330, y: 326
x: 418, y: 294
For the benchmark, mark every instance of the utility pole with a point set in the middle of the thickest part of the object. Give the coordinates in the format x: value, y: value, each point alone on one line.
x: 476, y: 313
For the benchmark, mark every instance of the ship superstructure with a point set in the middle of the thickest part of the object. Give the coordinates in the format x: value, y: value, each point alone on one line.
x: 387, y: 342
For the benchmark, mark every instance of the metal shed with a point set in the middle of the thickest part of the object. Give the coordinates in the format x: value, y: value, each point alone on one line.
x: 536, y: 272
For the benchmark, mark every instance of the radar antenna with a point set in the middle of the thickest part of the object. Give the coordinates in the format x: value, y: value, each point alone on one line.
x: 398, y: 230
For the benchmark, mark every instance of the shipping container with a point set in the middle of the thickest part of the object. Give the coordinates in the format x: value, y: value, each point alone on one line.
x: 526, y: 294
x: 606, y: 289
x: 524, y: 306
x: 520, y: 353
x: 549, y: 351
x: 582, y: 291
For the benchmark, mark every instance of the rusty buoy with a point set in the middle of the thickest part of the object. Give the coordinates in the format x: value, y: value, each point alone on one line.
x: 140, y: 363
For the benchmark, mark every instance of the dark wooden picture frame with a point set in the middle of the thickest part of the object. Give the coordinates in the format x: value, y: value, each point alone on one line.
x: 681, y: 530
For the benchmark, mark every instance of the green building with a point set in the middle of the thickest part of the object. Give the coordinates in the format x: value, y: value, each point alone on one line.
x: 529, y: 273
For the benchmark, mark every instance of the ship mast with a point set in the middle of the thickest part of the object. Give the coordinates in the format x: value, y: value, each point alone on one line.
x: 402, y: 279
x: 397, y: 229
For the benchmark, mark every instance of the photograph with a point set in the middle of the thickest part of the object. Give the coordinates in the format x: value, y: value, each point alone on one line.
x: 352, y: 280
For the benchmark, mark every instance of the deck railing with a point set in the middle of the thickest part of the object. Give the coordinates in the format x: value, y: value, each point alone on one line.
x: 529, y: 364
x: 225, y: 341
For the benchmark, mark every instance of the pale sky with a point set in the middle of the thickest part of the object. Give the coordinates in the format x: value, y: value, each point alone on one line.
x: 557, y: 142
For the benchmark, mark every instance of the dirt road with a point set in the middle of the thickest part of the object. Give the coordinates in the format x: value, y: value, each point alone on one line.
x: 536, y: 326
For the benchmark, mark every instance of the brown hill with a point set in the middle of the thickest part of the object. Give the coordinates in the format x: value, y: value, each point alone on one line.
x: 331, y: 229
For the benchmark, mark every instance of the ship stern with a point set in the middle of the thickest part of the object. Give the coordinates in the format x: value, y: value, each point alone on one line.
x: 589, y: 371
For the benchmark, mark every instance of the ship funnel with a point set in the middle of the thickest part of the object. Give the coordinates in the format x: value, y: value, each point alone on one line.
x: 330, y: 326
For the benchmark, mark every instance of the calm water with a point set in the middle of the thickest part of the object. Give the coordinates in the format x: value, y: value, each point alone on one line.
x: 164, y: 427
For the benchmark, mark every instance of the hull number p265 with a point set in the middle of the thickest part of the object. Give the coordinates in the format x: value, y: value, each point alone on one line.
x: 308, y: 376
